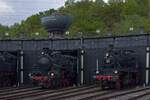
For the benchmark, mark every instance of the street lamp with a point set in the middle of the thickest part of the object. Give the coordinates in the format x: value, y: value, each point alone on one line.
x: 98, y: 31
x: 7, y: 34
x: 131, y: 28
x: 81, y: 59
x: 93, y: 0
x: 37, y: 33
x: 67, y: 33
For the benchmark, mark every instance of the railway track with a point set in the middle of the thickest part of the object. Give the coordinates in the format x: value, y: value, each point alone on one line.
x: 17, y: 95
x: 77, y: 94
x: 136, y: 95
x: 57, y: 93
x: 131, y: 94
x: 13, y: 88
x: 34, y: 94
x: 92, y: 92
x: 15, y: 91
x: 69, y: 93
x: 143, y: 97
x: 30, y: 94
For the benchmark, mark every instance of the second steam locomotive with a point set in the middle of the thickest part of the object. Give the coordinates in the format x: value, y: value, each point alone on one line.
x: 54, y: 69
x: 120, y: 68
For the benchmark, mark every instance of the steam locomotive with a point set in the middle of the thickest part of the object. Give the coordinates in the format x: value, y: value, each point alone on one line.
x: 54, y: 69
x: 8, y: 63
x: 120, y: 68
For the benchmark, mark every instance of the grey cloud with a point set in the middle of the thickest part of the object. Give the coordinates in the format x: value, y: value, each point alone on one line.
x: 24, y: 8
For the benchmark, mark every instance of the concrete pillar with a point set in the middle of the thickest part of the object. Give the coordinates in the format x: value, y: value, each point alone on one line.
x: 97, y: 67
x: 17, y: 70
x: 147, y: 65
x: 21, y: 67
x: 82, y: 67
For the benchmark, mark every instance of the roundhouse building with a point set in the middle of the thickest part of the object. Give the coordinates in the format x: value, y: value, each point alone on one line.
x: 88, y: 51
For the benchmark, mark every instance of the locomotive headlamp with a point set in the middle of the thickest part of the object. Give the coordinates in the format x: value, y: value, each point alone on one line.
x: 29, y: 74
x: 107, y: 54
x: 52, y: 74
x: 116, y: 71
x: 97, y: 72
x: 42, y: 53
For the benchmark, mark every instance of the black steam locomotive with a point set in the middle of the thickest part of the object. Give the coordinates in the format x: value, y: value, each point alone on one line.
x: 54, y: 69
x: 8, y: 64
x: 120, y: 69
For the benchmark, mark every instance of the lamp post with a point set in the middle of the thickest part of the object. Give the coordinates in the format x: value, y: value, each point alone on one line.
x: 147, y: 67
x: 6, y: 35
x: 37, y: 33
x: 98, y: 31
x: 81, y: 38
x: 82, y: 59
x: 21, y: 67
x: 131, y: 29
x: 67, y: 33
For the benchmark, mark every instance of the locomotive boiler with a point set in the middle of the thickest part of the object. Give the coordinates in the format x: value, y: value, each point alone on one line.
x: 120, y: 69
x: 54, y: 69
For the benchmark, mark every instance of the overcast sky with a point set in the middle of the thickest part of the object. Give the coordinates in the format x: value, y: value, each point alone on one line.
x: 12, y: 11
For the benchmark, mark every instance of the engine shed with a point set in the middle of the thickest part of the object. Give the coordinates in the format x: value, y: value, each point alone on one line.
x: 90, y: 53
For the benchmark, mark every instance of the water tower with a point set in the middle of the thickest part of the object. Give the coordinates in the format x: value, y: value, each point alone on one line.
x: 56, y: 24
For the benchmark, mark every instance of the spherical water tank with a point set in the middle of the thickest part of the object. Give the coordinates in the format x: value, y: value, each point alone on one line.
x: 56, y: 22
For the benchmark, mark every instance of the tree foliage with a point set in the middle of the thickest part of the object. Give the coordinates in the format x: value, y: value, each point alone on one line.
x: 115, y: 17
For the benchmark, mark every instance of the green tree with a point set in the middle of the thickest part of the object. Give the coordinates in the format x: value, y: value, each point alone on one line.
x: 88, y: 16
